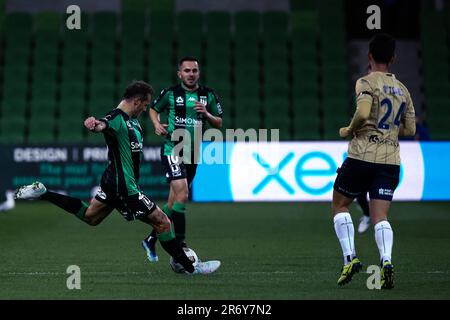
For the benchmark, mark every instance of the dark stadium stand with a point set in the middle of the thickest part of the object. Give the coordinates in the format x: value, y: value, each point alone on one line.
x: 271, y: 70
x: 435, y: 36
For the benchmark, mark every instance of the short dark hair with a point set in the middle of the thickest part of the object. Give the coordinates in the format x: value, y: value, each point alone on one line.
x: 382, y: 48
x: 138, y: 89
x: 187, y: 58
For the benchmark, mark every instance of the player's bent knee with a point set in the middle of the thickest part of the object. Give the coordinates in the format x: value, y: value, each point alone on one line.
x: 340, y: 203
x: 93, y: 221
x: 376, y: 219
x: 160, y: 221
x: 162, y: 227
x: 165, y: 226
x: 165, y: 222
x: 338, y: 208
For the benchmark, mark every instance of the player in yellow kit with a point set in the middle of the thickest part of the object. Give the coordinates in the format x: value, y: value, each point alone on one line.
x: 384, y: 111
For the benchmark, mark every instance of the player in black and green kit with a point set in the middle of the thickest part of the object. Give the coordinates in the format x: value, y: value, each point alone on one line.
x: 119, y: 188
x: 190, y: 108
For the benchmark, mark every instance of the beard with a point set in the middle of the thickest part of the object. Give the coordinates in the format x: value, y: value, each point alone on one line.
x: 190, y: 86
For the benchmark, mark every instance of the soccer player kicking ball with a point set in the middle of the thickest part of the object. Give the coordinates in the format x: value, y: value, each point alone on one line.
x: 384, y: 111
x: 119, y: 184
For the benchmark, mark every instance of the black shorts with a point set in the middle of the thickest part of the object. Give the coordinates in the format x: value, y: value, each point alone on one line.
x: 356, y: 176
x: 175, y: 168
x: 131, y: 207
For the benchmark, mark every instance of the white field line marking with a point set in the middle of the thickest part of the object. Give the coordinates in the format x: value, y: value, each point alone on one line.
x: 131, y: 273
x: 108, y: 273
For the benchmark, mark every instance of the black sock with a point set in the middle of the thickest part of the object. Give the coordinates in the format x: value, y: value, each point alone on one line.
x: 152, y: 235
x: 179, y: 221
x: 363, y: 203
x: 173, y: 248
x: 179, y: 226
x: 67, y: 203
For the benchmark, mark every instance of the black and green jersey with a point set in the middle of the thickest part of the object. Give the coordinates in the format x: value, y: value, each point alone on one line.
x: 124, y: 138
x: 179, y: 104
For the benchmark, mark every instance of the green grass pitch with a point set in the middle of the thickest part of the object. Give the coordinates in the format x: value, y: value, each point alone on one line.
x: 268, y: 251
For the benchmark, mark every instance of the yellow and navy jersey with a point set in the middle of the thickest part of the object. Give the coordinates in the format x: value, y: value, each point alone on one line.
x: 376, y: 140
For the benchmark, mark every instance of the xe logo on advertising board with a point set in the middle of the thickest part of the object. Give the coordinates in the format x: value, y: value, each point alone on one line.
x: 300, y: 172
x: 305, y: 171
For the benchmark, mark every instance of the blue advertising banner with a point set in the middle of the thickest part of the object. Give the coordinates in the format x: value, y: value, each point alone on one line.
x: 305, y: 171
x: 286, y: 171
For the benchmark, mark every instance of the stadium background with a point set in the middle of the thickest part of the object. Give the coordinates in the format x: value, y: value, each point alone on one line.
x: 284, y: 64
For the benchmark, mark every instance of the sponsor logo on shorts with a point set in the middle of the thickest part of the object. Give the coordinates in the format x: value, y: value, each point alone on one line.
x: 176, y: 170
x: 348, y: 192
x: 126, y: 215
x: 138, y: 213
x: 147, y: 202
x: 101, y: 194
x: 385, y: 192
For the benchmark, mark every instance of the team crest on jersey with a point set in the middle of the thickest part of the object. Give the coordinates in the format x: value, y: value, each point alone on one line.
x: 203, y: 99
x: 180, y: 101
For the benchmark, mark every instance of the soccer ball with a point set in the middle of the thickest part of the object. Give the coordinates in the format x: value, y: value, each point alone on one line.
x: 178, y: 268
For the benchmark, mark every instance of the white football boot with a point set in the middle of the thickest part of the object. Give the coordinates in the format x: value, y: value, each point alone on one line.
x: 364, y: 224
x: 30, y: 192
x: 206, y: 267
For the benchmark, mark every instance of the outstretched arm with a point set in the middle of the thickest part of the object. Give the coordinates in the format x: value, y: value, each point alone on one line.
x: 94, y: 125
